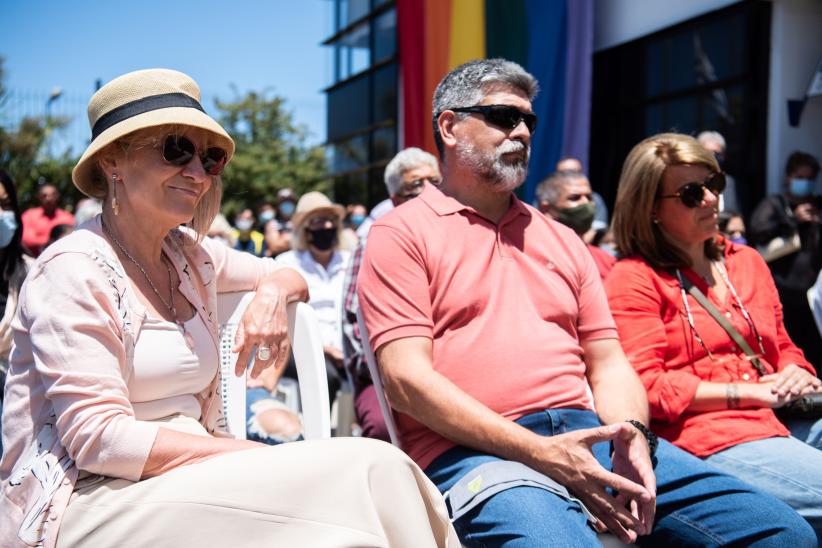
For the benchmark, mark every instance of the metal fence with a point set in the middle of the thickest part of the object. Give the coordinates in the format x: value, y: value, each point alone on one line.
x: 18, y: 104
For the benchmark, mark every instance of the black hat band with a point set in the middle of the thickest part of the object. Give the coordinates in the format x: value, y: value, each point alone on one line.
x: 146, y: 104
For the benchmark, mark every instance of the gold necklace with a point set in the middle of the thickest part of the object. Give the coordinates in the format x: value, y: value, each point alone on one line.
x: 168, y: 304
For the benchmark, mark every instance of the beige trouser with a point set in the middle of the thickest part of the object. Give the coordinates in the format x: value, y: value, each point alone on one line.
x: 339, y: 492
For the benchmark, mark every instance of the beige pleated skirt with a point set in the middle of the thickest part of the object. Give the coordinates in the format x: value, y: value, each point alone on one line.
x: 340, y: 492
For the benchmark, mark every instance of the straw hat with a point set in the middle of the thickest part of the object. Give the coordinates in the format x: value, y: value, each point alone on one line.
x: 314, y: 202
x: 138, y: 100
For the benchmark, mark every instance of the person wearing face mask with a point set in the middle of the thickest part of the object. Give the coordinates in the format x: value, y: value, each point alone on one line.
x: 732, y: 226
x: 316, y: 254
x: 786, y: 228
x: 245, y: 237
x: 286, y: 205
x: 13, y: 267
x: 566, y: 197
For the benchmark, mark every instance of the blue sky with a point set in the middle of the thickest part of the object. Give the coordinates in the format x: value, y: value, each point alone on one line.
x: 250, y: 44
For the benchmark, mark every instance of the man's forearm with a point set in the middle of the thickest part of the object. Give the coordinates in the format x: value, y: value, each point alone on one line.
x: 432, y: 399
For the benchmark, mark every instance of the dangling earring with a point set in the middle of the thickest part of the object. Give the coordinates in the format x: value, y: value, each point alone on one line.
x: 656, y: 221
x: 114, y: 205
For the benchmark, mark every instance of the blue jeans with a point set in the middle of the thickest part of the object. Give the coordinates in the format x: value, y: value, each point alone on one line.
x: 787, y: 468
x: 697, y: 505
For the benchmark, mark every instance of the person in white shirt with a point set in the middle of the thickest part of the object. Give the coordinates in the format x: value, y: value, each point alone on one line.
x: 316, y: 255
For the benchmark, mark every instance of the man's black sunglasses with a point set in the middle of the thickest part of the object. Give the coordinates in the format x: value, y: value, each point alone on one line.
x: 504, y: 116
x: 179, y: 151
x: 692, y: 194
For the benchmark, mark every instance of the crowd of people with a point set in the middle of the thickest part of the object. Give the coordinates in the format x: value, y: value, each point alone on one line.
x: 554, y: 371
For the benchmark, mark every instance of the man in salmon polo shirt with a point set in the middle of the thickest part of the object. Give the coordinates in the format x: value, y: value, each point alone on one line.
x: 488, y: 319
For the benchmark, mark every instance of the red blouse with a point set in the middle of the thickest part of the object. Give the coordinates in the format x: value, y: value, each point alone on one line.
x: 653, y: 328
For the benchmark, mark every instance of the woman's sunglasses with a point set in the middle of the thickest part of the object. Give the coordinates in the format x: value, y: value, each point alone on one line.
x: 504, y: 116
x: 692, y: 194
x: 179, y: 151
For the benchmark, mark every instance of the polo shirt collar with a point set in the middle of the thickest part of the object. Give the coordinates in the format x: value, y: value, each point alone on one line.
x: 446, y: 205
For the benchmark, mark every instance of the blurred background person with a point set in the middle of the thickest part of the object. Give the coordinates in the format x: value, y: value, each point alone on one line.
x: 785, y: 228
x: 286, y: 204
x: 600, y: 223
x: 316, y: 254
x: 277, y: 240
x: 38, y: 221
x: 715, y: 143
x: 732, y: 226
x: 405, y: 177
x: 246, y: 238
x: 265, y: 212
x: 706, y: 393
x: 566, y: 197
x: 221, y: 231
x: 86, y: 209
x: 14, y: 264
x: 356, y: 214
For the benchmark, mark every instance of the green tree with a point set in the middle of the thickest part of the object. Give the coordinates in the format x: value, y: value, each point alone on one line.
x: 271, y: 152
x: 23, y: 153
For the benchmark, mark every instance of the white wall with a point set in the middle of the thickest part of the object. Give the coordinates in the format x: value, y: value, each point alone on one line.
x: 796, y: 47
x: 618, y: 21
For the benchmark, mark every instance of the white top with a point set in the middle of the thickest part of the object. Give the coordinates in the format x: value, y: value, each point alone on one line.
x: 167, y: 373
x: 325, y: 286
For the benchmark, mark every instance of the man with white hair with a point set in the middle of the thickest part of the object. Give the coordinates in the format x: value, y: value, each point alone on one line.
x: 715, y: 142
x: 489, y: 323
x: 405, y: 178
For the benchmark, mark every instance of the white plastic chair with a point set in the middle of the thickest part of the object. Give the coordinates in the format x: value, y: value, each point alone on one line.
x: 815, y: 302
x: 307, y: 346
x: 608, y: 540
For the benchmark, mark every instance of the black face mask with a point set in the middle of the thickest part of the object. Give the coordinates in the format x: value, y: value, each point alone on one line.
x: 323, y: 238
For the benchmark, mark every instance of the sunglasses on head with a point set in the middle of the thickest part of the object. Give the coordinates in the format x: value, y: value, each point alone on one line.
x: 179, y: 151
x: 504, y: 116
x: 692, y: 194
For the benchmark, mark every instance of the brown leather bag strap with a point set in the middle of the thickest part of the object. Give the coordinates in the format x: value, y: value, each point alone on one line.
x: 726, y: 325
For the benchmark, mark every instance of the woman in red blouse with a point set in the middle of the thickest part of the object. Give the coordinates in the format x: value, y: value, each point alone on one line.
x: 705, y: 395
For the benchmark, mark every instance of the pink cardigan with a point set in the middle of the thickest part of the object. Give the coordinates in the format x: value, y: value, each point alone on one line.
x: 66, y: 404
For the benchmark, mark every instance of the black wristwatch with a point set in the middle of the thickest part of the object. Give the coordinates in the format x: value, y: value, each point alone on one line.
x: 653, y: 441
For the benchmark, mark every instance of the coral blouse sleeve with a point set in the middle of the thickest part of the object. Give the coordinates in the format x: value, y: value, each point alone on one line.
x: 393, y: 288
x: 637, y: 305
x: 69, y: 309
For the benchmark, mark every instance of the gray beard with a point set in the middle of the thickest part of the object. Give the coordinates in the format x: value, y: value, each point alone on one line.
x: 502, y: 174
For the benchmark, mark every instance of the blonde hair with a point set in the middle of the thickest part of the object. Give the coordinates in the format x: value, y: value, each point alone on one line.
x: 639, y: 185
x: 209, y: 205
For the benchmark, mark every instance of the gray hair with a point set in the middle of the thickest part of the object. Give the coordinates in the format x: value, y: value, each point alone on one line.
x: 468, y: 84
x: 711, y: 137
x: 550, y: 188
x: 406, y: 160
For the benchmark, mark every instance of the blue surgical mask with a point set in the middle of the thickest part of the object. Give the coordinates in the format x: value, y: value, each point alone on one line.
x: 8, y: 226
x: 739, y: 240
x: 287, y: 208
x: 356, y: 220
x: 266, y: 216
x: 801, y: 187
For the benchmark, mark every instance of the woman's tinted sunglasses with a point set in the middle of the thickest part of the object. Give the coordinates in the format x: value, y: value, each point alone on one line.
x: 504, y: 116
x: 179, y: 151
x: 692, y: 194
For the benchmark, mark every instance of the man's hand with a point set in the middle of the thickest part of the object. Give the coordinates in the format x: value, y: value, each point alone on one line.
x: 335, y: 355
x: 567, y: 458
x: 632, y: 460
x: 806, y: 213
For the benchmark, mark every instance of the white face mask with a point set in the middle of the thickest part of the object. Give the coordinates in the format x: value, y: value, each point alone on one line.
x: 8, y: 226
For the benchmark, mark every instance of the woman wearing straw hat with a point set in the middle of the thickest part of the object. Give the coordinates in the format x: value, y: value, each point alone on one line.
x: 112, y: 428
x: 316, y: 254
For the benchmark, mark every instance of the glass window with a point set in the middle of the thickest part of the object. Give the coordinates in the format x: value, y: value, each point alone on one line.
x: 385, y: 36
x: 350, y: 154
x: 385, y: 94
x: 383, y: 143
x: 353, y: 52
x: 348, y: 108
x: 351, y: 10
x: 351, y: 188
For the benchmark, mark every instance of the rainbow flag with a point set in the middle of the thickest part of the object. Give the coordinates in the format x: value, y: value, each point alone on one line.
x: 551, y: 39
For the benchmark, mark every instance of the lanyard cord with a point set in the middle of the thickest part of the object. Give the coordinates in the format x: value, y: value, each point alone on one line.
x: 745, y: 314
x: 690, y: 316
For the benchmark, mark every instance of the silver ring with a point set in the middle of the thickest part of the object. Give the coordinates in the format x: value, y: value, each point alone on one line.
x: 263, y: 353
